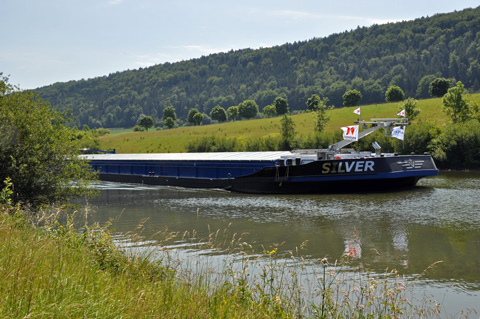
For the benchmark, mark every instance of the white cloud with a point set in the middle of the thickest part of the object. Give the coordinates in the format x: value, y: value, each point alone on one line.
x: 296, y: 15
x: 146, y: 60
x: 114, y: 2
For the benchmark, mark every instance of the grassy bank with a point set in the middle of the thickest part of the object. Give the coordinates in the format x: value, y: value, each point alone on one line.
x: 176, y: 140
x: 51, y: 270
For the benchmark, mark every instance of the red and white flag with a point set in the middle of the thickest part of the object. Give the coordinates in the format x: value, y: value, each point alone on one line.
x: 357, y: 111
x: 350, y: 133
x: 402, y: 113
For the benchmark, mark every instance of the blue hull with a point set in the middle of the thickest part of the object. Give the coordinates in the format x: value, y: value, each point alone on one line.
x: 261, y: 174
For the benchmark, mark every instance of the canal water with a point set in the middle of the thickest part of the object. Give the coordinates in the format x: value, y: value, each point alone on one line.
x: 436, y: 223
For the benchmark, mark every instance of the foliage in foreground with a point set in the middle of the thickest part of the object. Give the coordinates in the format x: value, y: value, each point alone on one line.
x: 37, y: 151
x: 56, y: 272
x: 50, y: 269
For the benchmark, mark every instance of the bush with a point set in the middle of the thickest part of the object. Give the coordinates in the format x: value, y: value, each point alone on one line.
x: 394, y: 94
x: 248, y: 109
x: 458, y: 146
x: 219, y: 114
x: 269, y: 111
x: 418, y: 138
x: 351, y: 98
x: 100, y: 131
x: 439, y: 87
x: 212, y: 144
x: 323, y: 140
x: 38, y: 153
x: 281, y: 105
x: 261, y: 144
x: 169, y: 122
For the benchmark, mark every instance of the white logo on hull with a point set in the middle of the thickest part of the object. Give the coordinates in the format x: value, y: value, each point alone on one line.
x: 411, y: 164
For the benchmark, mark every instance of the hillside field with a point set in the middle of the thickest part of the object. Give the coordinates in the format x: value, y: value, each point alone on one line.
x: 175, y: 140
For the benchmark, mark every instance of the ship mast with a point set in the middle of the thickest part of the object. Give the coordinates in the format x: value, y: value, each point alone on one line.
x: 377, y: 124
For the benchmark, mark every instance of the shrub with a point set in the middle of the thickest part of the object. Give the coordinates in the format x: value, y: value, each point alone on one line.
x: 248, y: 109
x: 394, y: 94
x: 34, y: 147
x: 458, y: 146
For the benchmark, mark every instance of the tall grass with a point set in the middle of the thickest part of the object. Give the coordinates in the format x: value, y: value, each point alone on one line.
x: 290, y: 284
x: 53, y: 269
x: 50, y: 269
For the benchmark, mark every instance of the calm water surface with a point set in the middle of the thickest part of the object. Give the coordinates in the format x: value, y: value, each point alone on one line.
x: 409, y: 230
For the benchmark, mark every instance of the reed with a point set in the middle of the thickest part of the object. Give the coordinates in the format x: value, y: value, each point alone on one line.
x: 50, y: 267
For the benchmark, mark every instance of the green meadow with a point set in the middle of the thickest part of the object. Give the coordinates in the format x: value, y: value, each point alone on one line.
x: 175, y: 140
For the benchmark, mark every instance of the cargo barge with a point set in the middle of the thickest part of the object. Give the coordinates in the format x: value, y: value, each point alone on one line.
x: 297, y: 172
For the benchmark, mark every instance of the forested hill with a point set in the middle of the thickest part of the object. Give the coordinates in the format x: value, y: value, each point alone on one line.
x: 409, y: 54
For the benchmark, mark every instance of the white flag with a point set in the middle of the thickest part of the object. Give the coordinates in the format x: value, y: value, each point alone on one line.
x: 350, y: 133
x: 398, y: 132
x: 402, y: 113
x: 357, y: 111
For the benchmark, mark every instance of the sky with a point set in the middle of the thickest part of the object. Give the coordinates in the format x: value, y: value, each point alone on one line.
x: 49, y: 41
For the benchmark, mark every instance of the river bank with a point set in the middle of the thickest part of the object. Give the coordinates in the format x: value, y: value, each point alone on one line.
x: 51, y: 269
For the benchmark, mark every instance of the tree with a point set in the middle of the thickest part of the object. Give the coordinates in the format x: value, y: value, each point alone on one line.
x: 287, y: 133
x: 146, y: 122
x: 351, y: 98
x: 191, y: 115
x: 198, y: 118
x: 269, y: 111
x: 281, y: 105
x: 321, y: 118
x: 169, y: 122
x: 313, y: 103
x: 394, y: 94
x: 248, y: 109
x: 39, y: 154
x: 423, y: 87
x: 409, y: 105
x: 233, y: 112
x: 455, y: 106
x: 218, y: 113
x: 169, y: 111
x: 439, y: 87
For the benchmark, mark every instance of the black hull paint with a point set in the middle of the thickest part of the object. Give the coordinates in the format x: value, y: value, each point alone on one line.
x: 259, y: 185
x: 266, y: 186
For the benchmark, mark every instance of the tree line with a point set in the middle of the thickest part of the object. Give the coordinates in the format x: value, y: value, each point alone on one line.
x: 249, y: 109
x: 409, y: 55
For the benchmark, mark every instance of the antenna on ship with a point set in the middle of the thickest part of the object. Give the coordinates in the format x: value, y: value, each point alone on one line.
x: 386, y: 123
